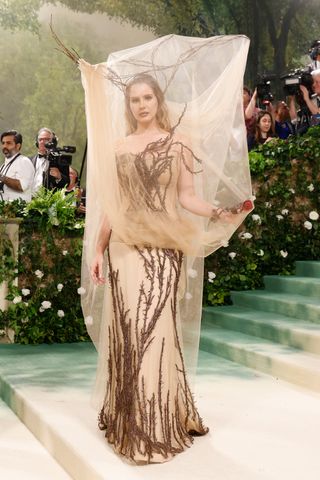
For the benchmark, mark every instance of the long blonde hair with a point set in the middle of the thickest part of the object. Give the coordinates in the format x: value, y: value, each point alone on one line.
x: 162, y: 115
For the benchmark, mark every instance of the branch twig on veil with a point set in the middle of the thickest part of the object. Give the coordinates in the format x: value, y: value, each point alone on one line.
x: 72, y: 54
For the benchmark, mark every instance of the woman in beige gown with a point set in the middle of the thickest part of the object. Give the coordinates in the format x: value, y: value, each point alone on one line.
x: 148, y: 413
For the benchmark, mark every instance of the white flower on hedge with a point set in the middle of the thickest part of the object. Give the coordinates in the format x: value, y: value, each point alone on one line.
x: 307, y: 225
x: 285, y: 211
x: 38, y: 273
x: 59, y: 287
x: 260, y: 253
x: 292, y: 190
x: 188, y: 296
x: 81, y: 291
x: 45, y: 304
x: 25, y: 292
x: 279, y: 217
x: 232, y: 255
x: 41, y: 309
x: 268, y: 204
x: 77, y: 225
x: 310, y: 187
x: 211, y: 276
x: 64, y: 252
x: 26, y: 303
x: 60, y: 313
x: 17, y: 299
x: 88, y: 320
x: 192, y: 273
x: 283, y: 253
x: 245, y: 235
x: 256, y: 218
x: 313, y: 215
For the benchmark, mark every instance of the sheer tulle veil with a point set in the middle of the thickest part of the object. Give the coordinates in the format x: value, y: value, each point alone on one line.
x: 202, y: 81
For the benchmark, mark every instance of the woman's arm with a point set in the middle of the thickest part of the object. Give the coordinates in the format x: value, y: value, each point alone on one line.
x: 314, y: 109
x: 189, y: 200
x: 249, y: 111
x: 102, y: 243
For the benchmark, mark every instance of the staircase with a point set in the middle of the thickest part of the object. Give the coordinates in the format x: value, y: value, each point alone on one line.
x: 275, y: 331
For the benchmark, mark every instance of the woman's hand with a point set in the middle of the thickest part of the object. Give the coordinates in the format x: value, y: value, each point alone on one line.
x: 97, y: 270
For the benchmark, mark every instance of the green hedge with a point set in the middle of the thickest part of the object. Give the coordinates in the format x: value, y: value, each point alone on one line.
x: 283, y: 228
x: 45, y: 306
x: 284, y: 225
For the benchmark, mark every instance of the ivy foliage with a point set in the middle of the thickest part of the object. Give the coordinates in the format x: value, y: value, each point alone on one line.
x: 44, y: 305
x: 284, y: 226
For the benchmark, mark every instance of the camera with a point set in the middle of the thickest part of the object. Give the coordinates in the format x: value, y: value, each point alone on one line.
x: 293, y: 80
x: 264, y: 89
x: 59, y: 157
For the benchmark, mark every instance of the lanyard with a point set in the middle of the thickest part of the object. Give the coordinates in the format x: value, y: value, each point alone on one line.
x: 4, y: 168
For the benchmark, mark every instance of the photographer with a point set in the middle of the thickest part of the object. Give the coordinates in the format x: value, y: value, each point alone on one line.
x: 47, y: 173
x: 16, y: 173
x: 313, y: 103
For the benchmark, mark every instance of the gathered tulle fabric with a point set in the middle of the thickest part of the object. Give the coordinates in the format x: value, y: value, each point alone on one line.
x: 137, y: 190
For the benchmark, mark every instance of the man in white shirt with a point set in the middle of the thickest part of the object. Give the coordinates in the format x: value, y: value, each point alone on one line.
x: 49, y: 176
x: 17, y: 171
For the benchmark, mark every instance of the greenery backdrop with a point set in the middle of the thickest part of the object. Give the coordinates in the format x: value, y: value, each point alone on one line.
x: 283, y: 228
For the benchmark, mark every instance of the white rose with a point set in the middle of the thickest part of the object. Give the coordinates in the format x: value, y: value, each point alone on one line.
x: 25, y: 292
x: 285, y: 211
x: 246, y: 235
x: 232, y: 255
x: 192, y: 273
x: 46, y: 304
x: 313, y: 215
x: 64, y: 252
x: 279, y: 217
x: 256, y: 218
x: 260, y: 253
x: 310, y: 187
x: 59, y: 287
x: 81, y: 291
x: 60, y: 313
x: 283, y: 253
x: 17, y: 299
x: 38, y: 273
x: 292, y: 190
x: 41, y: 309
x: 307, y: 225
x: 211, y: 275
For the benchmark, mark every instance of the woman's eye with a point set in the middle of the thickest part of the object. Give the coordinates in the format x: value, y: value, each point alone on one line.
x: 148, y: 97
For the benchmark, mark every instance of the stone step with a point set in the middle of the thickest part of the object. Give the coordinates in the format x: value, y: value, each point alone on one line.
x: 271, y: 326
x: 306, y: 286
x: 277, y: 360
x: 251, y: 417
x: 308, y: 269
x: 21, y: 455
x: 291, y: 305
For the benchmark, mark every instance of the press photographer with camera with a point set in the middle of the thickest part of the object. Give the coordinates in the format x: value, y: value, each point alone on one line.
x: 51, y: 166
x: 313, y: 103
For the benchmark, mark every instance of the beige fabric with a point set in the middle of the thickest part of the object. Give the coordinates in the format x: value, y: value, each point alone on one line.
x: 202, y: 80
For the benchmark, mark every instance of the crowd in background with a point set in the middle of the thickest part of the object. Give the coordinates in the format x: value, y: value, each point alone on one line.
x: 269, y: 121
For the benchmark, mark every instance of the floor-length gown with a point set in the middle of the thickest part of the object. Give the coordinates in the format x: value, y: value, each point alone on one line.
x: 148, y: 413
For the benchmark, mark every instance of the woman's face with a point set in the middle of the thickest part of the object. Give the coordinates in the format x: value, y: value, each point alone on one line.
x: 265, y: 123
x: 143, y: 103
